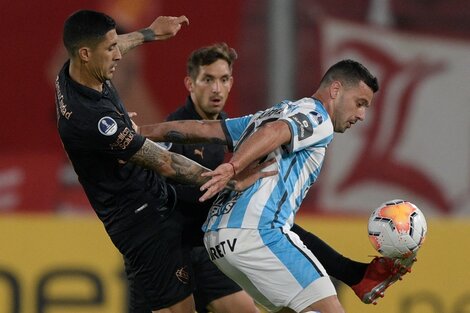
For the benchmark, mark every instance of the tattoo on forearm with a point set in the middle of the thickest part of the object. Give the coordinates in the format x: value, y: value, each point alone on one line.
x: 176, y: 136
x: 150, y: 156
x: 149, y: 35
x: 187, y: 171
x: 172, y: 165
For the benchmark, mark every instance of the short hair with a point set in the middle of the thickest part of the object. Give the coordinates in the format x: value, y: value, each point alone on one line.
x: 350, y: 73
x: 86, y: 27
x: 208, y: 55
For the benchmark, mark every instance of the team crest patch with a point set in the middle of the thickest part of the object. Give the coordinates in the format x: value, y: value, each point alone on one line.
x: 107, y: 126
x: 183, y: 275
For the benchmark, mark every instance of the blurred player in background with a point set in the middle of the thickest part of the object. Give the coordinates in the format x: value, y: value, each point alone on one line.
x: 120, y: 170
x: 346, y: 92
x: 209, y: 81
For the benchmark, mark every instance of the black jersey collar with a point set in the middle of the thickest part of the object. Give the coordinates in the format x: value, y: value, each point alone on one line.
x: 84, y: 90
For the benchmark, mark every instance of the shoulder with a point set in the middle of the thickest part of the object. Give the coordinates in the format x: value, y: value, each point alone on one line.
x: 180, y: 114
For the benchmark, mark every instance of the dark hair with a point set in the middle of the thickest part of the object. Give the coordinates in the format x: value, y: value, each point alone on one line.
x: 208, y: 55
x: 85, y: 27
x: 350, y: 73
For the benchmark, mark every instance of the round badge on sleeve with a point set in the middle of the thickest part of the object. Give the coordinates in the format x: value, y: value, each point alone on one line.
x: 107, y: 126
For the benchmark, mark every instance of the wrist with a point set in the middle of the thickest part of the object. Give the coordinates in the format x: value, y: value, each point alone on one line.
x: 233, y: 168
x: 149, y: 35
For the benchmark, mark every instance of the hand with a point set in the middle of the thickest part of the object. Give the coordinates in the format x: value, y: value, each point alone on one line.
x: 219, y: 179
x: 134, y: 125
x: 166, y: 27
x: 222, y: 175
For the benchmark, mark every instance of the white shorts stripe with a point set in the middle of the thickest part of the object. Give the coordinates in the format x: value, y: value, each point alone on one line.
x: 276, y: 269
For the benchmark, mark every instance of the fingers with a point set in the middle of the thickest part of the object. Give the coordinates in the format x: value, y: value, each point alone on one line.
x: 166, y: 27
x: 182, y: 19
x: 211, y: 191
x: 215, y: 182
x: 224, y: 170
x: 266, y: 163
x: 132, y: 114
x: 206, y: 196
x: 268, y: 173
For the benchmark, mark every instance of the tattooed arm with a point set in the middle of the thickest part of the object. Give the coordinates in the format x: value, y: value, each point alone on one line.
x: 169, y: 164
x: 186, y: 171
x: 164, y: 27
x: 186, y: 131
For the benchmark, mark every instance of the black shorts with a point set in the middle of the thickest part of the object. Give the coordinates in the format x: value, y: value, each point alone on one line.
x: 158, y: 270
x: 211, y: 283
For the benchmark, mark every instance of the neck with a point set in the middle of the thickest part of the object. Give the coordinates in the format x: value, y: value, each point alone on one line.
x: 79, y: 72
x: 325, y: 100
x: 206, y: 116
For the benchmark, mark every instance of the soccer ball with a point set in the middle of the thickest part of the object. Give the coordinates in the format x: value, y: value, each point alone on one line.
x: 397, y: 229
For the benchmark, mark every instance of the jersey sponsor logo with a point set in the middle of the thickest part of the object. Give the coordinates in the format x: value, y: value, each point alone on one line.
x: 60, y: 104
x: 224, y: 204
x: 304, y: 125
x: 123, y: 139
x: 220, y: 250
x: 272, y: 111
x: 107, y: 126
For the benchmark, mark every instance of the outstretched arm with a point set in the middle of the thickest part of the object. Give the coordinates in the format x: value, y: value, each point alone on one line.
x: 186, y: 171
x: 169, y: 164
x: 186, y: 131
x: 164, y: 27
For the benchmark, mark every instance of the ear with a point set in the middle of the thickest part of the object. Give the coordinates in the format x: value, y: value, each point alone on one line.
x: 188, y: 83
x: 334, y: 89
x: 84, y: 53
x: 231, y: 83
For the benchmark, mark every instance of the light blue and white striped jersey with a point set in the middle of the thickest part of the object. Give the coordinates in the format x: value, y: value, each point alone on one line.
x: 273, y: 201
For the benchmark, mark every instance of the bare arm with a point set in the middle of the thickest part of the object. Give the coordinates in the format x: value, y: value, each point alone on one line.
x: 186, y: 131
x: 169, y: 164
x: 164, y: 27
x: 261, y: 143
x: 186, y: 171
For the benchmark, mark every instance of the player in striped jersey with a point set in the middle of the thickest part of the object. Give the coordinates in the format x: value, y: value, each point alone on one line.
x: 248, y: 234
x: 272, y: 203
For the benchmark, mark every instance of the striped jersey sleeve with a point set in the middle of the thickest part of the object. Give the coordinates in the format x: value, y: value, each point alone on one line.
x: 273, y: 201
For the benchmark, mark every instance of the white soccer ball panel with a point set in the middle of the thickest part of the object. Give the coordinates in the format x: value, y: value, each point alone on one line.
x: 397, y: 229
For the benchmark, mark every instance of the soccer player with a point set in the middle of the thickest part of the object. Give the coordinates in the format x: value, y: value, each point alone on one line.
x: 249, y: 233
x: 120, y: 170
x: 208, y: 81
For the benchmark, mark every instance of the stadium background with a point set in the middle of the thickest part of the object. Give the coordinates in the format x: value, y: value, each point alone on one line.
x: 54, y: 254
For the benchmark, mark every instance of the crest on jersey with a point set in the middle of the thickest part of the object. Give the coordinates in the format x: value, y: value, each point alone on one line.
x: 317, y: 116
x: 107, y: 126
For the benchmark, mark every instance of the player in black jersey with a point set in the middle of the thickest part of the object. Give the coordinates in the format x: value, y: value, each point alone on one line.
x: 208, y: 81
x: 118, y: 168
